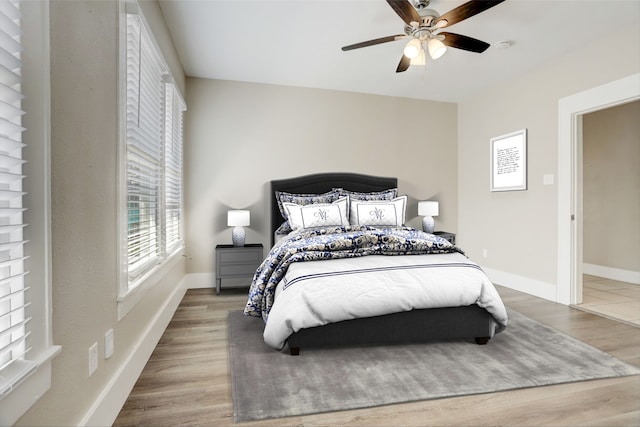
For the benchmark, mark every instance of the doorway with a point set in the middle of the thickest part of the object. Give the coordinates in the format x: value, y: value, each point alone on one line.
x: 570, y: 223
x: 611, y: 208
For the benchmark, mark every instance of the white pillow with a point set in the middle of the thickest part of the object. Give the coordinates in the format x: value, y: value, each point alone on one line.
x: 317, y: 214
x: 381, y: 213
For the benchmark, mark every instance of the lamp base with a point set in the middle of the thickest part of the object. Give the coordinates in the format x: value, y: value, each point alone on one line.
x: 428, y: 224
x: 237, y: 236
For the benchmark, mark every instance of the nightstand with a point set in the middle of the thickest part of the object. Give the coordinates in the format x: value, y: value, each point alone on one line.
x: 446, y: 235
x: 236, y: 261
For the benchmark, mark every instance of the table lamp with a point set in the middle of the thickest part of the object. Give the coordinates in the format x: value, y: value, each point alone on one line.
x: 238, y: 219
x: 428, y: 209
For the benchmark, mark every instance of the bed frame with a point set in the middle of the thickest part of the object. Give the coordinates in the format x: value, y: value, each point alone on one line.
x: 470, y: 322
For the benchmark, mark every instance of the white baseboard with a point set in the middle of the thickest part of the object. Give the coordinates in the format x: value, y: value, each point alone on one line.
x: 200, y: 280
x: 107, y: 406
x: 524, y: 284
x: 612, y: 273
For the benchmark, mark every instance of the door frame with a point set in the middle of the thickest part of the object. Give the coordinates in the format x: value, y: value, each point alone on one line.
x: 570, y: 112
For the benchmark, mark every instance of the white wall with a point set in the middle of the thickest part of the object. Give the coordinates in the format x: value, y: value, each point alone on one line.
x: 242, y: 135
x: 84, y: 131
x: 519, y: 229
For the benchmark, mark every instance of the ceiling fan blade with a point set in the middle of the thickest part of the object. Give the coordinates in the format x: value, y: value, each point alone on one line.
x: 404, y: 64
x: 405, y: 11
x: 374, y: 42
x: 464, y: 42
x: 464, y: 11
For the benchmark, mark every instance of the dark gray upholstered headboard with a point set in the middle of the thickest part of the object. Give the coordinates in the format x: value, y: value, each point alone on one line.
x: 321, y: 183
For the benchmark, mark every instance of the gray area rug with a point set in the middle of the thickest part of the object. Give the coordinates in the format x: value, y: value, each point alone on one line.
x: 270, y: 384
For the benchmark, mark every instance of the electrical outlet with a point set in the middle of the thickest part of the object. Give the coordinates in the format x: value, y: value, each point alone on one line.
x: 485, y: 253
x: 93, y: 358
x: 108, y: 344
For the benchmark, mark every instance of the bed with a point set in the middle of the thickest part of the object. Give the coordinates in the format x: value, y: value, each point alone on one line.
x: 442, y: 317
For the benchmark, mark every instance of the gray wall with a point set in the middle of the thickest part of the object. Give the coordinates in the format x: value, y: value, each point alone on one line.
x: 84, y: 131
x: 242, y: 135
x: 611, y: 187
x: 519, y: 228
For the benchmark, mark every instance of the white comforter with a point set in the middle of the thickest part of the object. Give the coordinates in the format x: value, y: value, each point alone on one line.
x: 315, y: 293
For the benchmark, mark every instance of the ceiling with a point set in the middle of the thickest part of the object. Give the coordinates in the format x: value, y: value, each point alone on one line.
x: 297, y: 42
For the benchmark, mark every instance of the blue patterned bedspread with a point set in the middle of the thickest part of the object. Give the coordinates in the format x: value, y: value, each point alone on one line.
x: 335, y: 243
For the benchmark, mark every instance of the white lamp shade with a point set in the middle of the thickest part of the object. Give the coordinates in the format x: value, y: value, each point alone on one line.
x: 420, y: 59
x: 412, y: 49
x: 238, y: 218
x: 436, y: 48
x: 428, y: 208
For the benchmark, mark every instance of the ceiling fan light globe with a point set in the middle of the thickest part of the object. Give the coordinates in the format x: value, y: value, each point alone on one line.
x: 412, y: 49
x: 436, y: 48
x: 419, y: 60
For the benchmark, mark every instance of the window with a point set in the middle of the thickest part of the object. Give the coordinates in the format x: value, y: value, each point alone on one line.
x: 173, y: 168
x: 26, y: 346
x: 13, y: 302
x: 144, y: 149
x: 153, y: 154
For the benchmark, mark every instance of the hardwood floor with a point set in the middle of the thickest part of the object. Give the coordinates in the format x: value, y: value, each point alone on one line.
x: 187, y: 380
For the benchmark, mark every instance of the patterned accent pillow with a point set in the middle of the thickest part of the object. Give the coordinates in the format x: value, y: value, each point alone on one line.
x: 305, y: 199
x: 283, y: 229
x: 380, y: 213
x: 389, y: 194
x: 317, y: 214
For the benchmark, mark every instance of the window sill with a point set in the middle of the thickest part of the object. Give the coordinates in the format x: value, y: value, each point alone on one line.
x: 26, y: 391
x: 129, y: 300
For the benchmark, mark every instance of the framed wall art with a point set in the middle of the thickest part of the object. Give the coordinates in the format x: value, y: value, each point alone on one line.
x: 509, y: 161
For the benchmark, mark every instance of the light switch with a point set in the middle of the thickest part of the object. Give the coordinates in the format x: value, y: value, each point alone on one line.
x: 547, y: 179
x: 108, y: 344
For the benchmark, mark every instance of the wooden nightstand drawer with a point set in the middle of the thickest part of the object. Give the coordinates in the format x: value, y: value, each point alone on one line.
x: 237, y: 261
x: 235, y: 270
x: 234, y: 256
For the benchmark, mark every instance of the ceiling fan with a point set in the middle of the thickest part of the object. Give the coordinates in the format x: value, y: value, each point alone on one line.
x: 423, y: 28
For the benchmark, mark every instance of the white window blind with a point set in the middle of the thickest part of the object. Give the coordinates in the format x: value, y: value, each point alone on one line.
x: 153, y: 134
x: 144, y: 148
x: 14, y: 321
x: 173, y: 167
